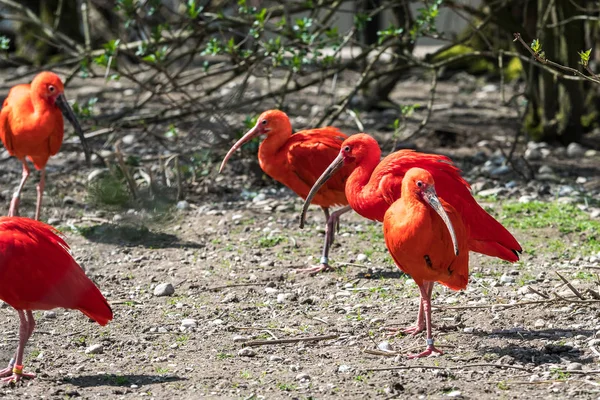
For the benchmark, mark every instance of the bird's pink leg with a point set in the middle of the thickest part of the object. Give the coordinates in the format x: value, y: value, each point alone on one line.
x: 40, y: 193
x: 427, y: 311
x: 26, y: 327
x: 13, y: 211
x: 420, y: 324
x: 332, y: 222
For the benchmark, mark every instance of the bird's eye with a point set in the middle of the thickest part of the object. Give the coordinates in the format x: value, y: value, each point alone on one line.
x: 264, y: 122
x: 419, y: 183
x: 51, y: 89
x: 347, y: 149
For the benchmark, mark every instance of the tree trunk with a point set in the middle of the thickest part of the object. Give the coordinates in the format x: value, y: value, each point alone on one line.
x: 377, y: 94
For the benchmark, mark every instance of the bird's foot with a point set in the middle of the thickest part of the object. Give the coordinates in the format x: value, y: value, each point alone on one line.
x: 8, y: 370
x: 428, y: 351
x: 412, y: 330
x: 14, y: 374
x: 315, y: 269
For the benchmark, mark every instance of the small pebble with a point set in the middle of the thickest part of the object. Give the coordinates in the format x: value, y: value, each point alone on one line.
x: 95, y: 349
x: 540, y: 323
x: 344, y: 368
x: 230, y: 298
x: 575, y: 366
x: 189, y: 323
x: 361, y: 257
x: 275, y: 358
x: 384, y: 346
x: 303, y: 377
x: 183, y: 205
x: 246, y: 352
x: 50, y: 314
x: 164, y: 289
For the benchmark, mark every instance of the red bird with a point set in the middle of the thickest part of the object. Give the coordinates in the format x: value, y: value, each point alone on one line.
x: 373, y: 186
x: 428, y: 240
x: 37, y: 272
x: 296, y: 161
x: 31, y: 126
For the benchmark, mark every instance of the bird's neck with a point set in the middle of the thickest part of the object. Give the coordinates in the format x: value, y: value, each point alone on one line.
x: 272, y: 148
x: 362, y: 194
x: 40, y: 105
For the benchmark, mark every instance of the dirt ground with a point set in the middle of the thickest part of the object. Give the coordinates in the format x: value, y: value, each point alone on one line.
x: 232, y: 253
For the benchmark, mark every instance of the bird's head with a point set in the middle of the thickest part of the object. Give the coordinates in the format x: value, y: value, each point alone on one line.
x: 270, y: 122
x: 48, y: 86
x: 358, y: 148
x: 419, y: 183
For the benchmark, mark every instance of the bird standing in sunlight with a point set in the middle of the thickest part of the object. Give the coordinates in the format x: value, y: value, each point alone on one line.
x: 297, y: 160
x: 31, y: 126
x: 37, y: 272
x: 375, y: 184
x: 427, y: 240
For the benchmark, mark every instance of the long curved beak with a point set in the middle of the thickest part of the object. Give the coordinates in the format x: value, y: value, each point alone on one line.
x: 248, y: 136
x: 67, y: 111
x: 430, y: 196
x: 336, y: 164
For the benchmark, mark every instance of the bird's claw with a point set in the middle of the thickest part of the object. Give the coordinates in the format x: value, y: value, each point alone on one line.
x: 315, y: 269
x: 412, y: 330
x: 428, y: 351
x: 14, y: 378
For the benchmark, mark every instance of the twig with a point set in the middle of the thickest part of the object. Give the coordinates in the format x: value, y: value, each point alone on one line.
x: 552, y: 63
x: 425, y: 120
x: 502, y: 366
x: 233, y: 285
x: 293, y: 340
x: 595, y: 351
x: 125, y: 169
x: 575, y: 291
x: 532, y: 290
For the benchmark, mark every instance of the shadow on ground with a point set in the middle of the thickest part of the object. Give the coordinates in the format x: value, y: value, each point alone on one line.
x: 548, y: 354
x: 133, y: 235
x: 120, y: 380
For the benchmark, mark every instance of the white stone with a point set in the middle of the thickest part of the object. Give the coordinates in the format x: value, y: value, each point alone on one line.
x: 95, y: 349
x: 164, y: 289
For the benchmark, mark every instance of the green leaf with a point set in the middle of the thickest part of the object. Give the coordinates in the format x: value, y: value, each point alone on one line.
x: 584, y: 57
x: 536, y: 46
x: 4, y: 43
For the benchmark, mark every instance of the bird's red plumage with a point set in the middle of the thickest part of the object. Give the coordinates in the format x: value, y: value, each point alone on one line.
x: 30, y: 125
x: 413, y: 230
x: 37, y: 272
x: 300, y: 161
x: 297, y: 160
x: 375, y: 184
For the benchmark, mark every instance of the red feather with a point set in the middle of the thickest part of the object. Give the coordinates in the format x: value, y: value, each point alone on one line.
x: 37, y: 272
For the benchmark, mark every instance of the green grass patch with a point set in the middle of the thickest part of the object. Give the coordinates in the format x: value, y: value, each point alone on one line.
x: 565, y: 218
x: 108, y: 191
x: 270, y: 241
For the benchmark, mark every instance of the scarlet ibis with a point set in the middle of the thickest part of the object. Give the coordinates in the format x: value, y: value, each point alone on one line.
x: 31, y: 126
x: 429, y: 241
x: 37, y: 272
x: 296, y: 161
x: 373, y: 186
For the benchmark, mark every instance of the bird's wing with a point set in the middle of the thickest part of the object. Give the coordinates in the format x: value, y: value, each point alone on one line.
x: 487, y: 235
x: 311, y: 151
x: 37, y: 271
x: 390, y: 172
x: 6, y: 134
